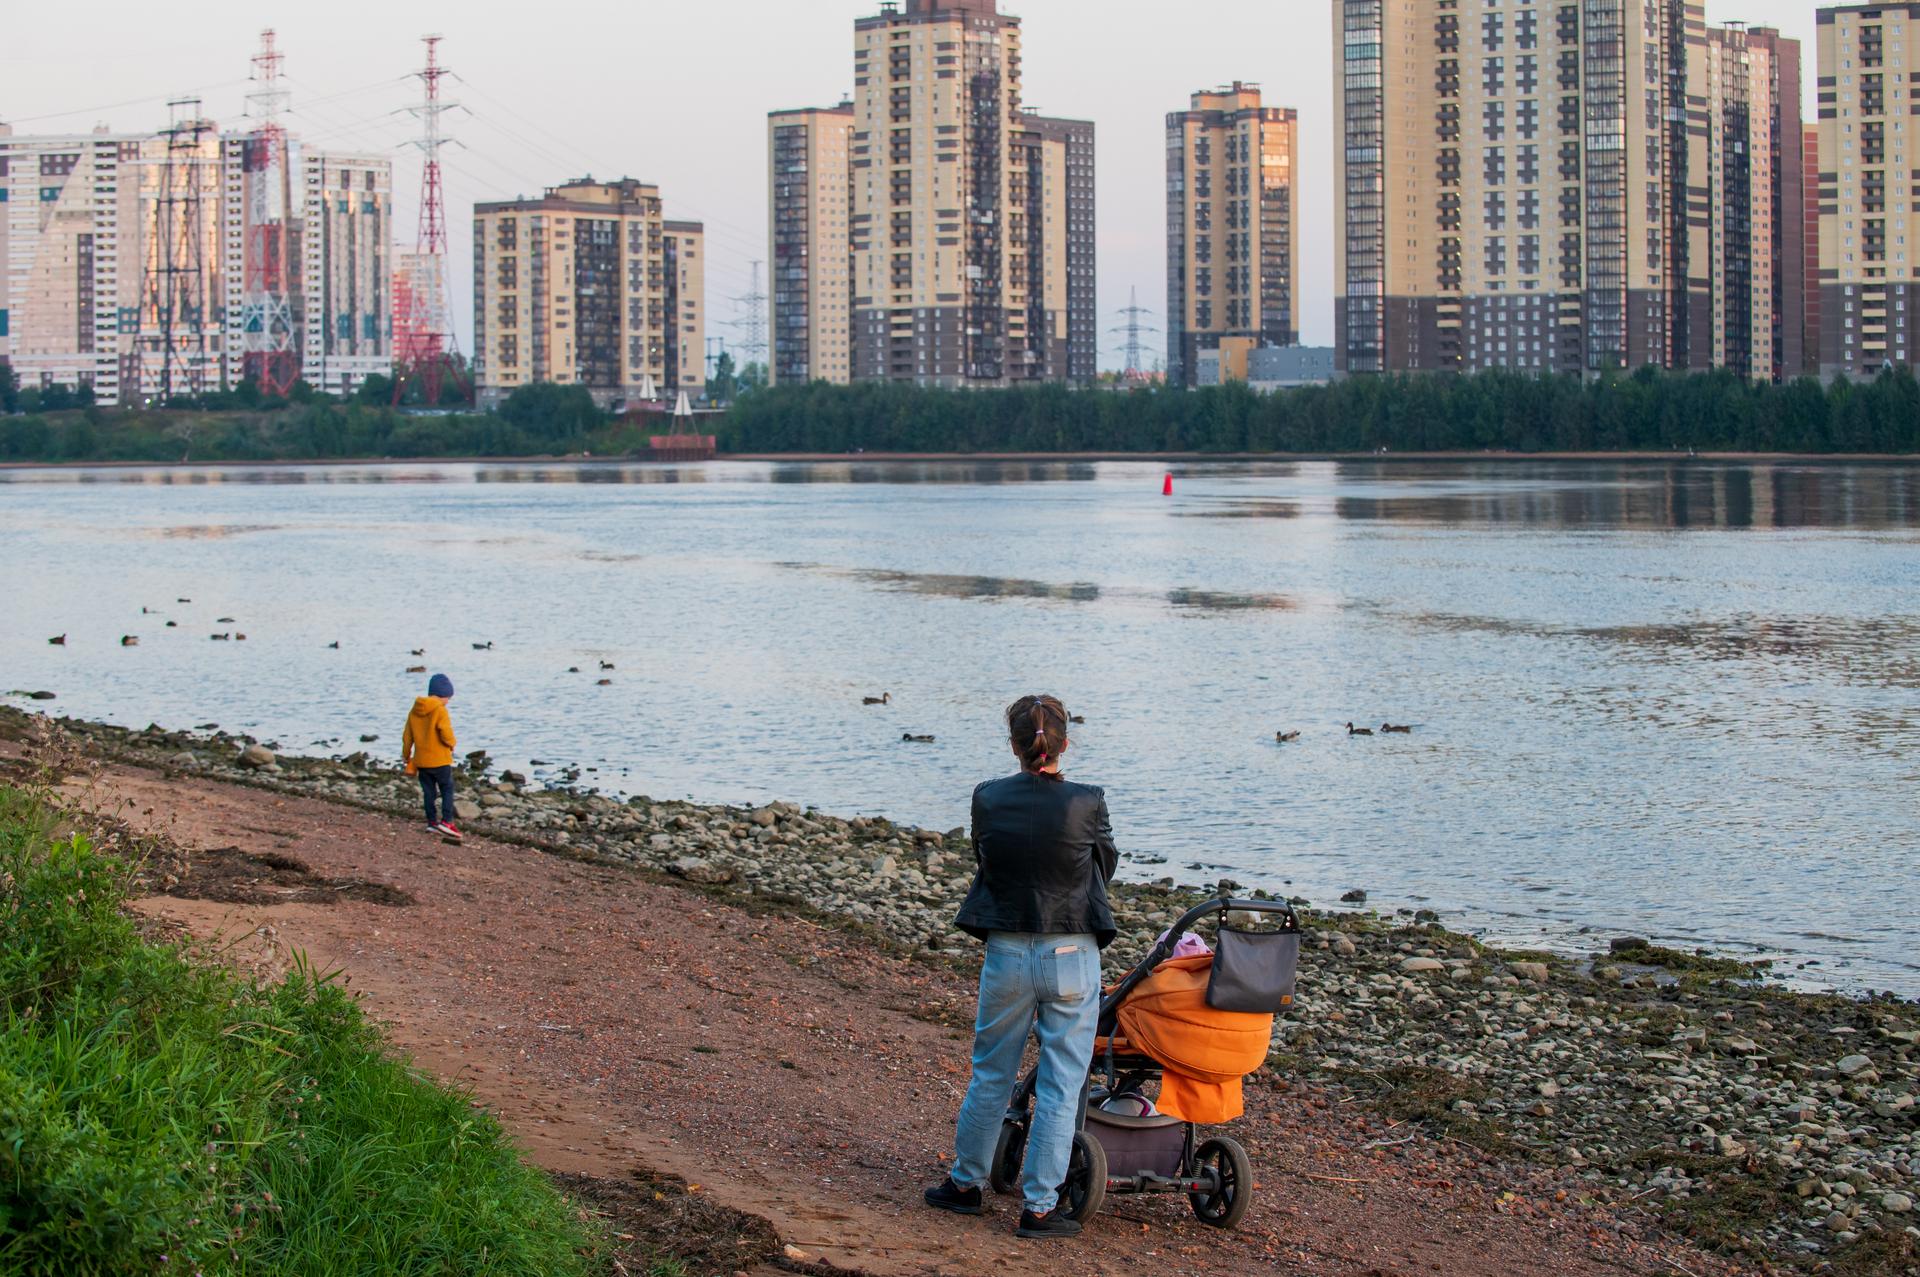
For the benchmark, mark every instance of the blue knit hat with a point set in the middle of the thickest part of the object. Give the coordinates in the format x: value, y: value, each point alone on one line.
x: 440, y: 685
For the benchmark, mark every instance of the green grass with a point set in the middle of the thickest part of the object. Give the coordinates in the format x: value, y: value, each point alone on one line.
x: 160, y: 1114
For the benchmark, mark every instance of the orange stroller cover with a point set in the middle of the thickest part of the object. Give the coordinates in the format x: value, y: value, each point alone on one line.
x: 1202, y: 1053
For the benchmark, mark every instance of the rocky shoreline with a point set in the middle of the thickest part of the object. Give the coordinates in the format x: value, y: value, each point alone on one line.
x: 1779, y: 1125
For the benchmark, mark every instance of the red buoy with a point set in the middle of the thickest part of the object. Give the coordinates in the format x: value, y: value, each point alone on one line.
x: 1166, y: 485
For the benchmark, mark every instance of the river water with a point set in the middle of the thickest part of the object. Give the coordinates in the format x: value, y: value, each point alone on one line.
x: 1677, y: 699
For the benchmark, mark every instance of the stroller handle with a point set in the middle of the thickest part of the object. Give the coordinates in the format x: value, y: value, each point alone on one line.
x: 1158, y: 954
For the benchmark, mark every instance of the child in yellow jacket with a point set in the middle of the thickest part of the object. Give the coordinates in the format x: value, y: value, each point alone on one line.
x: 426, y: 747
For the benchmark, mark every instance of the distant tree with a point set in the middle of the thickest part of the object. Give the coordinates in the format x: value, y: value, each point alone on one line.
x: 456, y: 383
x: 722, y: 385
x: 374, y: 388
x: 9, y: 390
x: 1646, y: 409
x: 247, y: 393
x: 304, y: 392
x: 753, y: 377
x: 181, y: 429
x: 554, y: 416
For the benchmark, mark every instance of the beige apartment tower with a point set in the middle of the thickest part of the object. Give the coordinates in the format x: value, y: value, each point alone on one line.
x: 1869, y: 187
x: 588, y: 285
x: 1519, y: 185
x: 1233, y: 227
x: 971, y: 231
x: 1755, y: 202
x: 811, y: 206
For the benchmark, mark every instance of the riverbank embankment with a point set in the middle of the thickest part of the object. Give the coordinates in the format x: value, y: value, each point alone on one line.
x: 1667, y: 1087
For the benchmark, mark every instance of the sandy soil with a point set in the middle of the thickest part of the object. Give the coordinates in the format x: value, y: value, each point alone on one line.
x: 625, y: 1028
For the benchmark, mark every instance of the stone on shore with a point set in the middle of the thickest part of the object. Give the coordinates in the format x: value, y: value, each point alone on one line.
x: 256, y: 757
x: 705, y: 872
x: 466, y: 809
x: 1534, y: 971
x: 1414, y: 966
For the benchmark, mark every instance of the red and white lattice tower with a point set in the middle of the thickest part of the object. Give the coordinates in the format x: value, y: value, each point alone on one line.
x: 424, y: 345
x: 267, y: 351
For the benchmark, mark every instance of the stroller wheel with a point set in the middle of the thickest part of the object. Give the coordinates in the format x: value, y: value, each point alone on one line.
x: 1227, y: 1204
x: 1086, y: 1184
x: 1009, y: 1152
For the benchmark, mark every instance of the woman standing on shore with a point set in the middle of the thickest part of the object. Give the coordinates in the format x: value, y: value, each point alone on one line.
x: 1044, y: 852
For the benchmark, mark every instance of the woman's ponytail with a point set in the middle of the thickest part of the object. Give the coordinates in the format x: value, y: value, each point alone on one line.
x: 1037, y: 726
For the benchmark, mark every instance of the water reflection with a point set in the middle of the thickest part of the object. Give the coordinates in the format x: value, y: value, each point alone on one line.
x: 1247, y: 510
x: 1870, y: 650
x: 955, y: 586
x: 1680, y: 494
x: 976, y: 587
x: 1645, y: 495
x: 1214, y: 601
x: 912, y: 472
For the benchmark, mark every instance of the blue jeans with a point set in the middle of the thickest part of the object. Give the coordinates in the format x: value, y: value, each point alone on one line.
x: 1049, y: 984
x: 437, y: 782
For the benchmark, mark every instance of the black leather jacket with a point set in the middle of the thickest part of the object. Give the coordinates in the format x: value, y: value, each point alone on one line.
x: 1045, y: 852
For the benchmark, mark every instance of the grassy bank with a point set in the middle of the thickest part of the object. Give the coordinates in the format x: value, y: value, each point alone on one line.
x: 159, y: 1114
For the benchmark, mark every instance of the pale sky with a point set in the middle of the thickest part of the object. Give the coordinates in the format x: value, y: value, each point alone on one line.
x: 677, y: 94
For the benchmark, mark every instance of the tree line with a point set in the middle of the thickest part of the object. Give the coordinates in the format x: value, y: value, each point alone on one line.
x: 542, y: 420
x: 1647, y: 410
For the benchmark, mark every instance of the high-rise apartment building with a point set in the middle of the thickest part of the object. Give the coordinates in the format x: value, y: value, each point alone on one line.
x: 345, y: 315
x: 969, y: 236
x: 1755, y: 201
x: 1519, y: 185
x: 1810, y: 240
x: 811, y: 208
x: 588, y: 285
x: 1869, y: 187
x: 1059, y: 211
x: 1233, y: 226
x: 77, y: 266
x: 122, y: 261
x: 686, y: 329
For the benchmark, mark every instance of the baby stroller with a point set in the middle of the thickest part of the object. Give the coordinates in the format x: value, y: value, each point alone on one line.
x: 1114, y: 1152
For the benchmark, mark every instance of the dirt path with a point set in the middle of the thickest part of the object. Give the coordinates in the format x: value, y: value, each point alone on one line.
x: 619, y: 1025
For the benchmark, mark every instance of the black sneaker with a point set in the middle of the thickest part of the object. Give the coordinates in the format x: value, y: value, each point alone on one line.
x: 1051, y: 1224
x: 947, y: 1195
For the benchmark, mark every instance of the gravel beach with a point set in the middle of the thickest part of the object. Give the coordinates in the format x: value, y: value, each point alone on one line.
x: 1780, y: 1128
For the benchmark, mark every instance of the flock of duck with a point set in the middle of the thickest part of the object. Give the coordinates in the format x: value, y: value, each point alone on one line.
x: 133, y: 640
x: 1282, y: 737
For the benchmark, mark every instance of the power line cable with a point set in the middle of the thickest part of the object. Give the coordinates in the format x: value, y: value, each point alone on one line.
x: 112, y: 106
x: 745, y: 235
